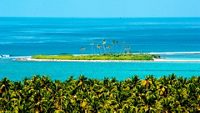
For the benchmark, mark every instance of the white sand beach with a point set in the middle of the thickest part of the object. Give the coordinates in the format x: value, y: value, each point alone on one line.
x: 54, y: 60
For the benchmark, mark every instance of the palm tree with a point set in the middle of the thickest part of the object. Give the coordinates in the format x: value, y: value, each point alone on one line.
x: 104, y: 45
x: 41, y: 94
x: 108, y: 47
x: 99, y: 48
x: 114, y: 43
x: 127, y: 50
x: 82, y: 49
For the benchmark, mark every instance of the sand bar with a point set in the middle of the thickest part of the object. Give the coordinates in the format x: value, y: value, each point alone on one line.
x: 54, y: 60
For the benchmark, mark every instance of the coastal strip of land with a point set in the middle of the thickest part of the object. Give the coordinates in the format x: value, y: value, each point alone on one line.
x: 54, y: 60
x: 92, y: 58
x: 97, y: 57
x: 101, y: 58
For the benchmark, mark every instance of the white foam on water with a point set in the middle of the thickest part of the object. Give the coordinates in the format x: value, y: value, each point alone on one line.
x: 12, y: 57
x: 174, y: 53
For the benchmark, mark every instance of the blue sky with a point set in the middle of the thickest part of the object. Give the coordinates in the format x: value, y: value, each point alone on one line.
x: 100, y: 8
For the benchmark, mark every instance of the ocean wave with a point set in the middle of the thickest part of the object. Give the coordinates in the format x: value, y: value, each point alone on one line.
x: 4, y: 43
x: 7, y: 43
x: 12, y: 57
x: 15, y: 57
x: 35, y: 42
x: 163, y: 23
x: 174, y: 53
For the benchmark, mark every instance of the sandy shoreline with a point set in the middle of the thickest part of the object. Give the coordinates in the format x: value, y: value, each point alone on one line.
x: 54, y: 60
x: 172, y: 60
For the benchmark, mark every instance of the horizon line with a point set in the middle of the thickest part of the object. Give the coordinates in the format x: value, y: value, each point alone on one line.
x: 87, y: 17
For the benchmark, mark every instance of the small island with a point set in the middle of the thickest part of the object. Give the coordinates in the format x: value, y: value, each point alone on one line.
x: 106, y: 52
x: 97, y: 57
x: 103, y: 51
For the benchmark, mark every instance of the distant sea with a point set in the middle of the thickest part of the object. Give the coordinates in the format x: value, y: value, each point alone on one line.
x: 30, y: 36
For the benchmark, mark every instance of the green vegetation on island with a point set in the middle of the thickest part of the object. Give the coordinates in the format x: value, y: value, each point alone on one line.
x: 169, y: 94
x: 98, y: 57
x: 107, y: 50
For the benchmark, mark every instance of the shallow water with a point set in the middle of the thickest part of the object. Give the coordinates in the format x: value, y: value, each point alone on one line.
x: 62, y: 70
x: 30, y: 36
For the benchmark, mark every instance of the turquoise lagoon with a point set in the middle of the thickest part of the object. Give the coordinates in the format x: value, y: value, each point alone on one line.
x: 120, y: 70
x: 30, y: 36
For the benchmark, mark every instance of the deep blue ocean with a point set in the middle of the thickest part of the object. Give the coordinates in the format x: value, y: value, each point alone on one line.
x: 30, y: 36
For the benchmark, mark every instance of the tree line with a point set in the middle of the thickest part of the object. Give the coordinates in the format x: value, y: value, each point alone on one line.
x: 151, y: 95
x: 107, y: 47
